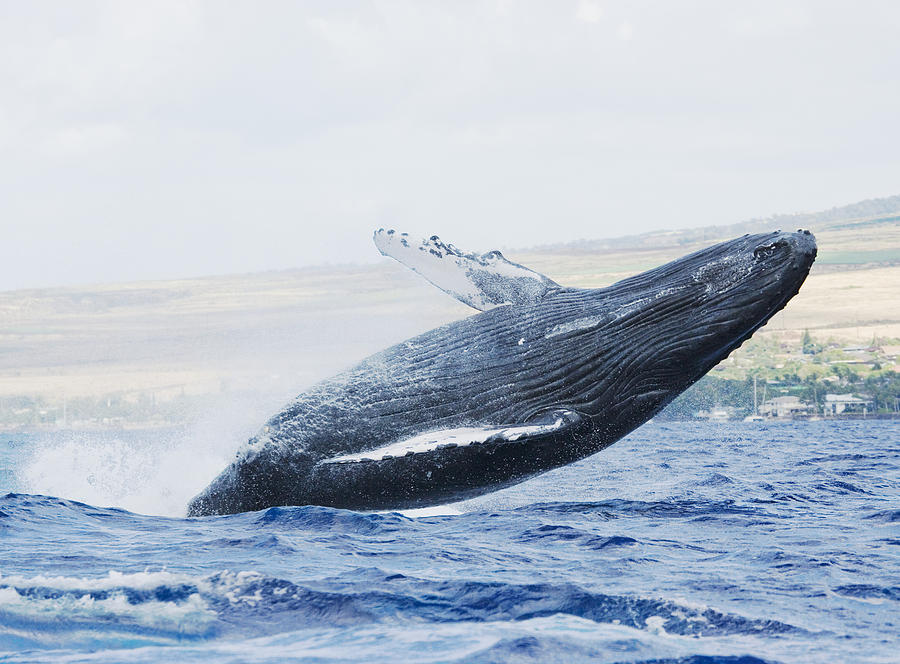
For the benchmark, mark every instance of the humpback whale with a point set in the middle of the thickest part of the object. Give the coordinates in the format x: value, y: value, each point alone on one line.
x: 543, y: 376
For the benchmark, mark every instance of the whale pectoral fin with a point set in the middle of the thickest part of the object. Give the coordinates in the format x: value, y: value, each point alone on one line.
x: 550, y: 423
x: 482, y: 281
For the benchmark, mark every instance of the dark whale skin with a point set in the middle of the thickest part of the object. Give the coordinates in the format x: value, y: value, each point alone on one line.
x: 596, y: 363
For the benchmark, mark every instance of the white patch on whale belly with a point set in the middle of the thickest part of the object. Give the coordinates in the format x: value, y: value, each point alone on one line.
x: 447, y: 438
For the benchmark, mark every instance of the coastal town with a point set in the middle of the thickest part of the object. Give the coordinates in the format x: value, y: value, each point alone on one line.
x: 772, y: 377
x: 777, y: 379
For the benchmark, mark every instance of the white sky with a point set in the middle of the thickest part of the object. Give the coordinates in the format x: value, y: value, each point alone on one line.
x: 164, y: 139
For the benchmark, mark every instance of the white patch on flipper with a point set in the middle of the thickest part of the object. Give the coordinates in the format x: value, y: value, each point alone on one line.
x: 482, y: 281
x: 447, y: 438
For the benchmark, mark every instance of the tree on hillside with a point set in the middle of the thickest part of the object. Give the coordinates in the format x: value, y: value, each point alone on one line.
x: 808, y: 345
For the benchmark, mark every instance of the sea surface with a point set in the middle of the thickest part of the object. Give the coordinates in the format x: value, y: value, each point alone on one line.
x: 684, y: 542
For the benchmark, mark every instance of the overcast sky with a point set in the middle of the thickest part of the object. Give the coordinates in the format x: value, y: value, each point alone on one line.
x: 165, y: 139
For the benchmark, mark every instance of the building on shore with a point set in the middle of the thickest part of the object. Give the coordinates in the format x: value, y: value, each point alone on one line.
x: 847, y: 404
x: 785, y: 407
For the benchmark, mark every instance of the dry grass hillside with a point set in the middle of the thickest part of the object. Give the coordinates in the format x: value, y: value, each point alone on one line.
x: 853, y: 291
x: 149, y: 353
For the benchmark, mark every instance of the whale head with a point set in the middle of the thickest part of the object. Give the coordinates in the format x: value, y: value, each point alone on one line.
x: 637, y: 344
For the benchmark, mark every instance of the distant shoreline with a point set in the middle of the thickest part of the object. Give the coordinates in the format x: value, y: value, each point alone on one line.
x: 156, y: 354
x: 156, y: 426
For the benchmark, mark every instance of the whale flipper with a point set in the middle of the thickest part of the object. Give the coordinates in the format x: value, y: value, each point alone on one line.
x: 482, y: 282
x: 547, y: 426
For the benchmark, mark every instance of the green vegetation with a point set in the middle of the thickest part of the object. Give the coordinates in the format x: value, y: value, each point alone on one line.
x: 809, y: 371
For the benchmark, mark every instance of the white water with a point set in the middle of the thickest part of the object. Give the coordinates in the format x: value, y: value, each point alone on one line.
x: 153, y: 472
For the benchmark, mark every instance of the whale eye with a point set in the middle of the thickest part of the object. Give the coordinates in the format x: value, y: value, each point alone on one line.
x: 765, y: 251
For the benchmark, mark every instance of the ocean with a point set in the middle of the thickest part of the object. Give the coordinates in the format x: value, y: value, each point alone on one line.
x: 685, y: 542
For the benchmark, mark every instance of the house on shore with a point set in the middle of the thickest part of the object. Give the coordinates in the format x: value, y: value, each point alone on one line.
x: 847, y: 404
x: 785, y: 407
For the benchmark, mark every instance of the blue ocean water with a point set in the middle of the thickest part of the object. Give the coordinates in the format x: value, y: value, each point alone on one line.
x: 684, y: 542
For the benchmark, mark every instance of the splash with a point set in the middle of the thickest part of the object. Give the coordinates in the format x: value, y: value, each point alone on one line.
x: 155, y: 471
x: 147, y: 472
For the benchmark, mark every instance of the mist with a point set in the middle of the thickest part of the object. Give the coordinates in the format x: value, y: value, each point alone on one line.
x: 174, y: 139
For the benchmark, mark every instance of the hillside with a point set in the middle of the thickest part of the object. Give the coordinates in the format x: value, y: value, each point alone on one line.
x: 168, y: 352
x: 870, y: 213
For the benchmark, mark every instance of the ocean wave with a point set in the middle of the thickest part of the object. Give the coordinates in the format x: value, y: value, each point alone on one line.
x: 621, y: 508
x: 868, y: 591
x: 837, y: 458
x: 133, y: 609
x: 738, y: 555
x: 328, y: 520
x: 536, y: 641
x: 888, y: 516
x: 533, y: 649
x: 170, y: 607
x: 562, y: 533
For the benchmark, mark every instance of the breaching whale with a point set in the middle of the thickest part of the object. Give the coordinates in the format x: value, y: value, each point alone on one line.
x: 544, y: 376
